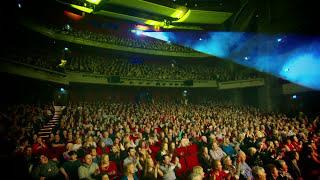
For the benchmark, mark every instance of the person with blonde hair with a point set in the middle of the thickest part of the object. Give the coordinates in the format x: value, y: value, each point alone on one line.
x: 197, y: 173
x: 129, y: 172
x: 259, y: 173
x: 151, y: 171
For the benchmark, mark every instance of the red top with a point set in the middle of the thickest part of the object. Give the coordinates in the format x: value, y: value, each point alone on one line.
x: 105, y: 150
x: 290, y: 146
x: 220, y: 176
x: 38, y: 149
x: 111, y: 170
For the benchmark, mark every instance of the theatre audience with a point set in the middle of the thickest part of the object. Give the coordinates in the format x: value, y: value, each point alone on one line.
x: 172, y: 141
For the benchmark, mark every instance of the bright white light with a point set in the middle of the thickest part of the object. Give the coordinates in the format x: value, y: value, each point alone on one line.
x: 294, y: 97
x: 246, y: 58
x: 279, y: 39
x: 19, y: 5
x: 62, y: 89
x: 185, y: 91
x: 138, y: 32
x: 200, y: 39
x: 66, y: 49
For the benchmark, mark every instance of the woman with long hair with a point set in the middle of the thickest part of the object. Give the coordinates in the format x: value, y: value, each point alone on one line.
x: 151, y: 171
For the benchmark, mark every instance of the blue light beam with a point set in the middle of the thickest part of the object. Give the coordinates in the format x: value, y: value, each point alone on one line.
x: 296, y: 59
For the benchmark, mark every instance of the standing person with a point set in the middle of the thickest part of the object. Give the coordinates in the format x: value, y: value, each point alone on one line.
x: 168, y: 168
x: 88, y: 170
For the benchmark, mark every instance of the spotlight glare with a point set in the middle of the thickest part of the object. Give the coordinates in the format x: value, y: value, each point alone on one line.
x: 279, y: 40
x: 66, y: 49
x: 94, y: 1
x: 19, y: 5
x: 62, y: 89
x: 294, y: 97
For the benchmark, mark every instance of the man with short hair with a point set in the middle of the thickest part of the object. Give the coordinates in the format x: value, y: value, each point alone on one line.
x: 132, y: 159
x: 168, y: 168
x: 106, y: 139
x: 70, y: 168
x: 88, y: 170
x: 47, y: 169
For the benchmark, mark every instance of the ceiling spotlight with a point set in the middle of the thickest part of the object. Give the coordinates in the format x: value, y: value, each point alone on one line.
x: 66, y: 49
x: 200, y: 39
x: 246, y: 58
x: 62, y: 89
x: 279, y: 40
x: 19, y: 5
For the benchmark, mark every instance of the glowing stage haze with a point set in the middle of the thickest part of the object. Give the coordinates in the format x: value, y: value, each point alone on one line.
x: 292, y: 57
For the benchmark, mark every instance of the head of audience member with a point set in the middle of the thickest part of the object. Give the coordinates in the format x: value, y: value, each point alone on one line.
x: 272, y: 171
x: 216, y: 166
x: 259, y: 173
x: 88, y: 159
x: 73, y: 155
x: 166, y: 159
x: 129, y: 169
x: 241, y: 158
x: 132, y: 152
x: 197, y: 173
x: 44, y: 159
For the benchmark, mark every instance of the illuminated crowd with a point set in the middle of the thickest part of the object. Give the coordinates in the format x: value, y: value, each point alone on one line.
x: 165, y: 69
x: 166, y: 140
x: 126, y: 39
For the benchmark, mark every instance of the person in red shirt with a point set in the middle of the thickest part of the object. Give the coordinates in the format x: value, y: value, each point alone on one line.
x: 217, y: 173
x: 39, y: 147
x: 108, y: 167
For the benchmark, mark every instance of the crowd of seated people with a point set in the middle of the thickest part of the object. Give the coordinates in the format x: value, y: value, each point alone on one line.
x: 166, y: 140
x: 127, y: 39
x: 148, y: 70
x: 145, y: 69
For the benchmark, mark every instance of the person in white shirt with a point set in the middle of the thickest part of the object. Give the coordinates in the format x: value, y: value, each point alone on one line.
x: 216, y: 152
